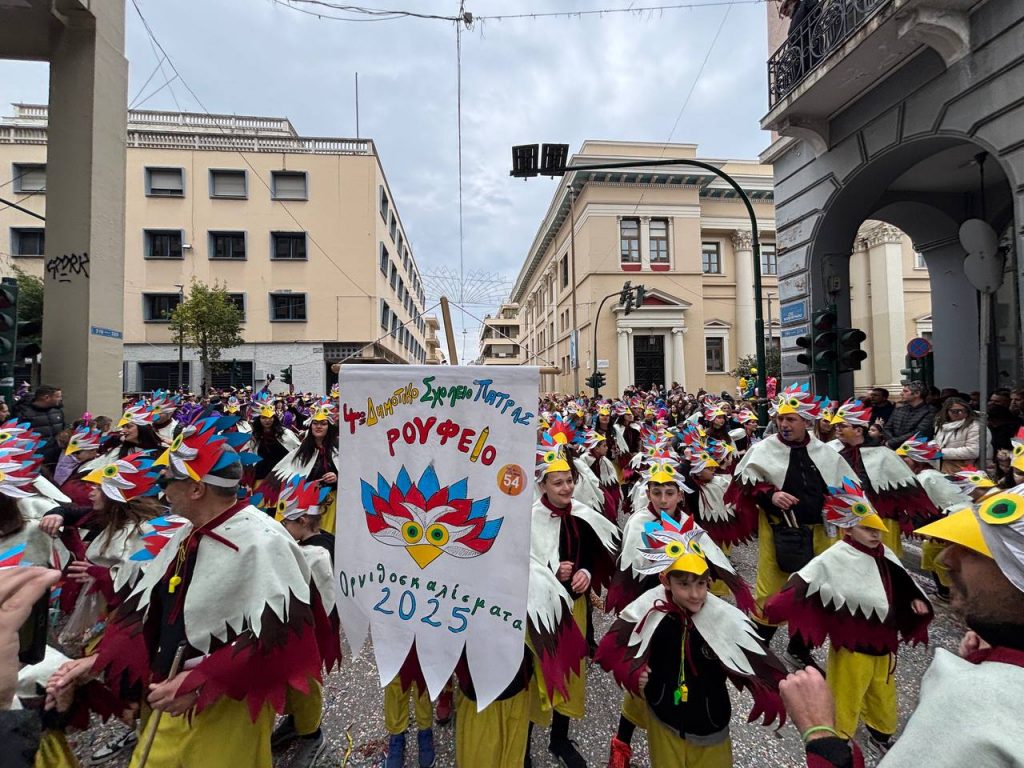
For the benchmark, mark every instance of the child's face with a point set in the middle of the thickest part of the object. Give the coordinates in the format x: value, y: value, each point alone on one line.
x: 664, y: 496
x: 706, y: 474
x: 600, y: 450
x: 866, y: 537
x: 689, y: 591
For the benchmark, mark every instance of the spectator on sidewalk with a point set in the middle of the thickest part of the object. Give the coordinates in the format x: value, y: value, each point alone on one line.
x: 959, y: 433
x: 881, y: 406
x: 45, y: 414
x: 913, y: 417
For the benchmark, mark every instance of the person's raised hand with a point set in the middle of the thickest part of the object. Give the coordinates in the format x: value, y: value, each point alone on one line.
x: 20, y: 589
x: 808, y: 701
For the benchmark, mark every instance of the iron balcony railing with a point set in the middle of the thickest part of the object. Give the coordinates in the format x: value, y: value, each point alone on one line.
x: 829, y: 24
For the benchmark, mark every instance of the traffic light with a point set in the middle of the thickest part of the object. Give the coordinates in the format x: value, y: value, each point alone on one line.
x: 824, y: 350
x: 626, y: 297
x: 918, y: 369
x: 641, y: 294
x: 850, y: 353
x: 8, y: 319
x: 286, y: 375
x: 595, y: 381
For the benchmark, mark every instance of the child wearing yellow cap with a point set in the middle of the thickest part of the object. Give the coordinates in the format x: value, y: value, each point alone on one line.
x: 859, y: 596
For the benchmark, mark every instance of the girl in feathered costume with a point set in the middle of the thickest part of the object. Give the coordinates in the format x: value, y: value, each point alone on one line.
x: 859, y: 596
x: 890, y: 486
x: 665, y: 487
x: 577, y: 545
x: 595, y: 460
x: 677, y: 645
x: 707, y: 500
x: 299, y: 509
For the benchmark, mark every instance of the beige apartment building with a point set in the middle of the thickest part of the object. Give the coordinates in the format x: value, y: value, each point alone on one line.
x: 685, y: 235
x: 303, y: 231
x: 499, y: 337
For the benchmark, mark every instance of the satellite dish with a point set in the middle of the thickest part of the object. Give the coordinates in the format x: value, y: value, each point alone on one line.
x: 984, y: 264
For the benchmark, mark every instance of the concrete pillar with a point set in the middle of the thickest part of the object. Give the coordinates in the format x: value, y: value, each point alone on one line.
x: 84, y: 276
x: 678, y: 357
x: 954, y: 316
x: 743, y: 250
x: 645, y: 243
x: 625, y: 370
x: 888, y: 331
x: 860, y: 311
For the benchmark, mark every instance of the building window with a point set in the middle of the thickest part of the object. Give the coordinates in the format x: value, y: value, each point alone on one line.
x: 393, y: 230
x: 714, y: 351
x: 163, y: 243
x: 385, y: 260
x: 288, y: 307
x: 165, y: 182
x: 289, y: 246
x: 385, y: 315
x: 401, y: 243
x: 919, y: 262
x: 564, y: 270
x: 711, y: 258
x: 231, y: 373
x: 384, y: 207
x: 395, y: 325
x: 28, y: 241
x: 659, y: 241
x: 401, y: 290
x: 288, y: 185
x: 231, y: 184
x: 394, y: 277
x: 769, y: 260
x: 30, y: 178
x: 162, y: 375
x: 227, y: 245
x: 157, y: 307
x: 629, y: 241
x: 238, y: 299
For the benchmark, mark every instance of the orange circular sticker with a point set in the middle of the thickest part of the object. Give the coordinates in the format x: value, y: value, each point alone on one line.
x: 511, y: 480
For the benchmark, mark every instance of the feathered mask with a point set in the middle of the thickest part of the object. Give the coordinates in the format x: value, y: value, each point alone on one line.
x: 592, y: 438
x: 19, y: 468
x: 827, y: 409
x: 673, y: 546
x: 971, y: 479
x: 922, y: 450
x: 796, y: 399
x: 164, y: 404
x: 847, y: 506
x: 299, y: 497
x: 263, y: 405
x: 324, y: 410
x: 853, y: 412
x: 140, y: 415
x: 745, y: 416
x: 700, y: 459
x: 126, y: 479
x: 1017, y: 460
x: 84, y: 439
x: 203, y: 448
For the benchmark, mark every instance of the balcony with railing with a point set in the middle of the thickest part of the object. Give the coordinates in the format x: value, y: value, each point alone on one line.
x: 844, y: 48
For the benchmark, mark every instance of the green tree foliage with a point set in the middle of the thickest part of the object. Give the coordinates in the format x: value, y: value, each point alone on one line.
x: 208, y: 322
x: 772, y: 358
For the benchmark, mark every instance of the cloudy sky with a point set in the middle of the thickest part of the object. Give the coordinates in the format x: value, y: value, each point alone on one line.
x: 622, y: 76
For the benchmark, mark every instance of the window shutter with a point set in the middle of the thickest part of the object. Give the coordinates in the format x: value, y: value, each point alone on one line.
x: 32, y: 180
x: 290, y: 186
x: 166, y: 182
x: 228, y: 184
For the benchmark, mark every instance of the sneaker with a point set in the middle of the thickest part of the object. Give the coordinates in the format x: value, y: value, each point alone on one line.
x: 880, y: 746
x: 620, y: 754
x: 567, y: 754
x: 443, y: 711
x: 283, y: 735
x: 112, y: 747
x: 309, y: 750
x: 425, y: 748
x: 395, y: 756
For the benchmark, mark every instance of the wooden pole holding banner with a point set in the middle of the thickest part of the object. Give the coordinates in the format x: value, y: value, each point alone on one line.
x: 449, y: 333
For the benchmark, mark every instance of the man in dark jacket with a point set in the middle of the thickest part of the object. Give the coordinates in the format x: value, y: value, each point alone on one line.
x: 45, y: 414
x: 914, y: 417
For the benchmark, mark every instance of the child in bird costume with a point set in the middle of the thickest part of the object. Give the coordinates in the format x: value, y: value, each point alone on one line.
x: 859, y: 596
x: 677, y: 645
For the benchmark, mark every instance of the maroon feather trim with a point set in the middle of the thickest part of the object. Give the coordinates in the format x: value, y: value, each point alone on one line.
x: 328, y: 632
x: 909, y: 505
x: 624, y: 589
x: 743, y: 497
x: 122, y: 653
x: 560, y: 654
x: 102, y: 582
x: 95, y: 698
x: 612, y: 498
x: 738, y: 530
x: 615, y: 655
x: 410, y: 673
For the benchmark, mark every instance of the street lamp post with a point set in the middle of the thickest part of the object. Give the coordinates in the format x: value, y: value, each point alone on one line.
x: 181, y: 339
x: 525, y: 164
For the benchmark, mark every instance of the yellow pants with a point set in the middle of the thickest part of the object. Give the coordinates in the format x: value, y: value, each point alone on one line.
x: 497, y: 737
x: 930, y: 551
x: 575, y: 705
x: 893, y: 537
x: 329, y: 513
x: 306, y: 709
x: 54, y: 752
x: 222, y: 734
x: 396, y: 708
x: 634, y: 709
x: 863, y: 689
x: 770, y: 578
x: 669, y: 751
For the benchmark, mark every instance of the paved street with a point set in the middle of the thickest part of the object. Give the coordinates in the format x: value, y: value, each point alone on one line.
x: 354, y: 701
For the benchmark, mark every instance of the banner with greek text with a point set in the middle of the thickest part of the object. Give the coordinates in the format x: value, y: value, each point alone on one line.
x: 433, y: 531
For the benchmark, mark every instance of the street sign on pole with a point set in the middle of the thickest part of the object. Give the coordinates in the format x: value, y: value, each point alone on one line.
x: 918, y: 348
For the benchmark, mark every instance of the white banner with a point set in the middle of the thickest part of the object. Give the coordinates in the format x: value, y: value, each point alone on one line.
x: 433, y: 532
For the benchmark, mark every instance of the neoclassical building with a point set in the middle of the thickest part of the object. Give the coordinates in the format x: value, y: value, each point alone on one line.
x: 686, y: 236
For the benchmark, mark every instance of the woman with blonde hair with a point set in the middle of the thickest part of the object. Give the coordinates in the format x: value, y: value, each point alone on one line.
x: 958, y: 433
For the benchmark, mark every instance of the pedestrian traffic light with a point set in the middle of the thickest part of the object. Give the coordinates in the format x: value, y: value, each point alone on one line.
x: 850, y: 353
x: 641, y: 294
x: 8, y: 319
x: 286, y: 375
x: 626, y: 297
x: 595, y: 381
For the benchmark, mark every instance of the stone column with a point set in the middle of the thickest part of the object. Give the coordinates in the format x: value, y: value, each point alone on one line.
x: 84, y: 275
x: 678, y: 357
x: 743, y: 250
x: 888, y: 334
x: 625, y: 370
x: 860, y: 311
x: 645, y: 243
x: 954, y: 316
